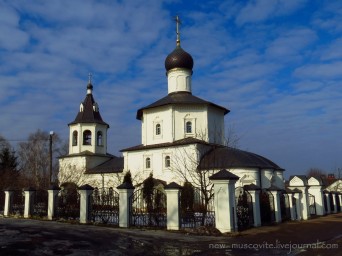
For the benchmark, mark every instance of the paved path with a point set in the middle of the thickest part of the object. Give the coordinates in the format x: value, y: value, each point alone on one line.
x: 33, y: 237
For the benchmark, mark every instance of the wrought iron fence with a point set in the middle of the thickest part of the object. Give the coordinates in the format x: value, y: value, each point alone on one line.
x: 147, y: 211
x: 294, y: 206
x: 267, y: 212
x: 198, y: 212
x: 105, y: 206
x: 68, y: 204
x: 332, y: 207
x: 18, y: 203
x: 244, y: 208
x: 40, y: 203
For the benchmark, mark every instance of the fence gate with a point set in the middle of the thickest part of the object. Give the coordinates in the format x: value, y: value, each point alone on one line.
x: 149, y: 211
x: 40, y: 203
x: 2, y: 202
x: 105, y: 206
x: 244, y: 208
x: 18, y: 203
x: 312, y: 204
x: 194, y: 212
x: 294, y: 206
x: 285, y: 207
x: 267, y: 213
x: 325, y: 204
x: 332, y: 206
x: 338, y: 203
x: 68, y: 203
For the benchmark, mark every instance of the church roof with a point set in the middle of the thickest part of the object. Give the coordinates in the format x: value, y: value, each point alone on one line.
x: 179, y: 98
x: 179, y: 58
x: 90, y: 113
x: 226, y: 157
x: 113, y: 165
x: 181, y: 142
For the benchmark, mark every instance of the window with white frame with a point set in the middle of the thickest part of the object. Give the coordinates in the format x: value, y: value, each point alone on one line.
x: 147, y: 163
x: 167, y: 161
x: 158, y: 129
x: 188, y: 127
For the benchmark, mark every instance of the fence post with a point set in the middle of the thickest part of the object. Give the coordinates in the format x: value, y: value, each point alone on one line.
x: 340, y: 201
x: 172, y: 207
x: 125, y: 192
x: 290, y: 193
x: 8, y: 202
x: 254, y: 191
x: 224, y: 200
x: 85, y: 192
x: 316, y: 189
x: 28, y: 192
x: 52, y: 195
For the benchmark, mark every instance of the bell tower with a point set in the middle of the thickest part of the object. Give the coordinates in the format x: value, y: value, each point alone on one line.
x: 88, y: 132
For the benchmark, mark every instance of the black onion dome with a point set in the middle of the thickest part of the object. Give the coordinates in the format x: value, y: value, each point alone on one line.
x: 89, y: 86
x: 179, y: 59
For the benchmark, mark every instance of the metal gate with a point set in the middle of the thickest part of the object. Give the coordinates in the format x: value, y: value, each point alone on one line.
x: 312, y: 204
x: 68, y: 203
x: 2, y: 202
x: 40, y: 203
x: 267, y: 212
x: 105, y: 206
x: 332, y: 206
x: 18, y: 203
x: 294, y: 207
x: 244, y: 208
x: 196, y: 213
x: 285, y: 207
x: 149, y: 211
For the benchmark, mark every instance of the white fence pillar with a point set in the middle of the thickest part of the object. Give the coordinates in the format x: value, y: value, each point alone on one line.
x: 317, y: 192
x: 28, y: 192
x: 340, y: 200
x: 172, y: 198
x: 52, y: 199
x: 85, y: 192
x: 8, y: 202
x: 125, y: 192
x: 298, y: 195
x: 292, y: 207
x: 224, y: 200
x: 334, y: 202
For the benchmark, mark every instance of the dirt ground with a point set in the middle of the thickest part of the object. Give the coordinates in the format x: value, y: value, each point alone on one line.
x: 318, y: 236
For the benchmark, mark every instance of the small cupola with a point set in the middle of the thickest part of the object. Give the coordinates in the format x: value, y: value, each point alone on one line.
x: 178, y: 65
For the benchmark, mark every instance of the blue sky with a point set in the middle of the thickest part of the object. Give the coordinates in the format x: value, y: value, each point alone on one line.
x: 276, y: 64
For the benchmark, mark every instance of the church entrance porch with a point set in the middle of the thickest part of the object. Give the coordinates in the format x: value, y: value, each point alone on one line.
x: 267, y: 212
x: 147, y: 210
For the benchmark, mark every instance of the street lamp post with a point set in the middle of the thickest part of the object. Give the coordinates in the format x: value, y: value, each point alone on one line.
x: 50, y: 155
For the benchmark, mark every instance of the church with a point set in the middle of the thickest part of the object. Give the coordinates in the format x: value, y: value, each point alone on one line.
x: 182, y: 136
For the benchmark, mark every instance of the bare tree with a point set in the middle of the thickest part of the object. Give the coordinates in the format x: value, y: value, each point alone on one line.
x: 315, y: 172
x: 34, y: 158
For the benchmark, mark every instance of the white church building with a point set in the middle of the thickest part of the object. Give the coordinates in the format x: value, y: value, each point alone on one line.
x: 181, y: 134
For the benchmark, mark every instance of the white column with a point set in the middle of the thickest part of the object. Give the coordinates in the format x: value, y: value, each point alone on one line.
x: 340, y: 199
x: 224, y: 200
x: 28, y: 202
x: 255, y: 194
x: 125, y: 192
x: 292, y: 207
x: 304, y: 202
x: 277, y: 210
x: 85, y: 192
x: 334, y: 202
x: 52, y: 195
x: 8, y: 202
x: 172, y: 207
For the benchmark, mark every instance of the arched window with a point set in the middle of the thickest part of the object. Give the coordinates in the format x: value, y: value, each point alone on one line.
x: 188, y: 127
x: 99, y: 138
x: 87, y: 137
x: 74, y: 138
x: 158, y: 129
x: 148, y: 163
x: 167, y: 161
